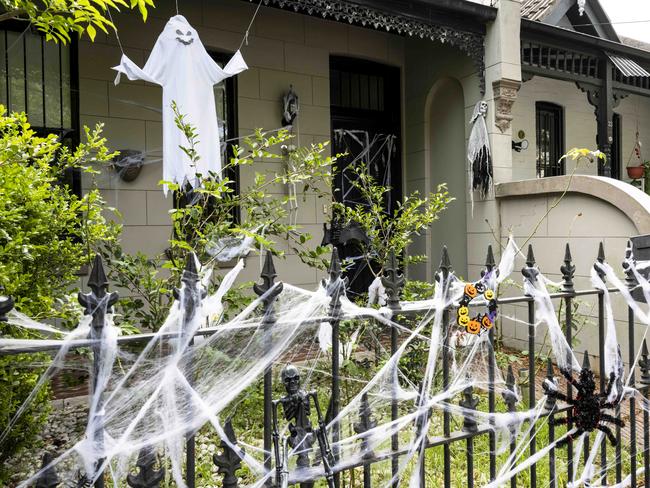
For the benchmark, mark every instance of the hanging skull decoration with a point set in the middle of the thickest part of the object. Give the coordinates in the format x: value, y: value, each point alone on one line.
x: 291, y: 107
x: 184, y: 38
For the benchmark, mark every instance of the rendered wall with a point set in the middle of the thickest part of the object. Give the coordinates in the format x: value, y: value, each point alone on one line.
x: 441, y: 89
x: 580, y: 123
x: 548, y: 222
x: 284, y: 48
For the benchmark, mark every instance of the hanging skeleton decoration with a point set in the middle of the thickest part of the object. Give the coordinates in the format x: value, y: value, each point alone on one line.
x: 478, y: 151
x: 581, y: 6
x: 187, y: 73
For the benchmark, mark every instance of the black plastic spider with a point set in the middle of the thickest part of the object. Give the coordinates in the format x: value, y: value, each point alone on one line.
x: 587, y: 408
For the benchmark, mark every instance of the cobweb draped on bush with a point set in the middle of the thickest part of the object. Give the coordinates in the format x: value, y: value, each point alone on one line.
x: 181, y: 381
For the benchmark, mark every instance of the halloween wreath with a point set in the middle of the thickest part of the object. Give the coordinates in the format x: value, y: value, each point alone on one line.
x: 482, y: 321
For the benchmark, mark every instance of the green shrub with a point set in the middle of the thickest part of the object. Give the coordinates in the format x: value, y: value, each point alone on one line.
x: 46, y: 235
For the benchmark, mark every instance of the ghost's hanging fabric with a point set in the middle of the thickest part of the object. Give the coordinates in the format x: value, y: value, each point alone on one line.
x: 187, y: 73
x: 478, y: 152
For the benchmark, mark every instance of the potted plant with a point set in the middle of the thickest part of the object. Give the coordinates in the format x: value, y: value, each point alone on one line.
x: 636, y: 171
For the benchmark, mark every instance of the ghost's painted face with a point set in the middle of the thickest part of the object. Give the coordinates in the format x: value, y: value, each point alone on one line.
x: 483, y: 108
x: 185, y: 38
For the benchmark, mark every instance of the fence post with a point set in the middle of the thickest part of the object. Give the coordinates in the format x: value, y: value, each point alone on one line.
x: 530, y: 273
x: 268, y: 276
x: 469, y: 402
x: 97, y: 303
x: 600, y: 259
x: 490, y: 266
x: 191, y: 302
x: 335, y: 287
x: 445, y: 270
x: 229, y: 462
x: 631, y: 281
x: 645, y: 381
x: 48, y: 478
x: 393, y: 281
x: 147, y: 476
x: 510, y: 398
x: 365, y: 423
x: 549, y: 406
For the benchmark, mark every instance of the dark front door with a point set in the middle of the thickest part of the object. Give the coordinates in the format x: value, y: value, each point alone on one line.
x: 365, y: 112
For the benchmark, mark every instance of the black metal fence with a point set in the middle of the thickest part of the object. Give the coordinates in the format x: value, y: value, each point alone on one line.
x: 149, y: 475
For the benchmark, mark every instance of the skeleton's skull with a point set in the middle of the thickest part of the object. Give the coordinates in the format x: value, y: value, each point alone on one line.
x: 483, y: 108
x: 184, y: 38
x: 291, y: 379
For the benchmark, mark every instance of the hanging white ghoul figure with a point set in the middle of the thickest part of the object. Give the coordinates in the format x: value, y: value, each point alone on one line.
x: 187, y: 73
x: 478, y: 151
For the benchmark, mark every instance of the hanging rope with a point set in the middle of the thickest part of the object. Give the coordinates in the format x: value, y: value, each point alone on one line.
x: 176, y: 7
x: 117, y: 36
x: 245, y: 39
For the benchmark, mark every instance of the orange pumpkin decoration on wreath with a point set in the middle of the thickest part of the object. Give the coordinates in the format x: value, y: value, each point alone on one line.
x: 481, y: 322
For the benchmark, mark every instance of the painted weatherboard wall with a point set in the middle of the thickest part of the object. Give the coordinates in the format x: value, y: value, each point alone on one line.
x: 283, y: 48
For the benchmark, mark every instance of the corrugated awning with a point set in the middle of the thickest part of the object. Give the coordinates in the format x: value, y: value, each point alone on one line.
x: 627, y: 67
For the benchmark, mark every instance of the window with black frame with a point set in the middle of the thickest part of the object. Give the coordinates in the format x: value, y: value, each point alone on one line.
x: 550, y: 139
x: 40, y: 78
x: 616, y: 157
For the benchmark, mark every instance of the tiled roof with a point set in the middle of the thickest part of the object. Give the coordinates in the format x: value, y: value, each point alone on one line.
x: 536, y: 9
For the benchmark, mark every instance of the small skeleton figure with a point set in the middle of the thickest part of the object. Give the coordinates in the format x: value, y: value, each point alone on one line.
x: 587, y: 412
x: 290, y: 107
x: 297, y: 407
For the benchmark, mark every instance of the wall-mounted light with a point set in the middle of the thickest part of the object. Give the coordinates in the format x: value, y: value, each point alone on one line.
x: 522, y: 143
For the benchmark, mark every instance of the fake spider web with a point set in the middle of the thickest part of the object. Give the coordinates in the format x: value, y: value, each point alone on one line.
x: 179, y: 383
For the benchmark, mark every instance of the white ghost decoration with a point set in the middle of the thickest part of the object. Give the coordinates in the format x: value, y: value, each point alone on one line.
x: 187, y: 73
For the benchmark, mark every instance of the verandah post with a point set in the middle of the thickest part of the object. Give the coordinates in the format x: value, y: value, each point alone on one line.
x: 97, y: 303
x: 269, y: 290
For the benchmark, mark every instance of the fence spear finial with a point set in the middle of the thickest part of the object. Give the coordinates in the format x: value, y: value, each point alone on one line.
x: 445, y: 263
x: 48, y: 477
x: 490, y: 263
x: 530, y: 271
x: 568, y: 270
x: 229, y: 462
x: 393, y: 281
x: 510, y: 393
x: 600, y: 259
x: 585, y: 361
x: 644, y: 363
x: 549, y: 406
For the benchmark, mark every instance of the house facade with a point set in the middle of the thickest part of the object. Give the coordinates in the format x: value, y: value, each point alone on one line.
x: 553, y: 79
